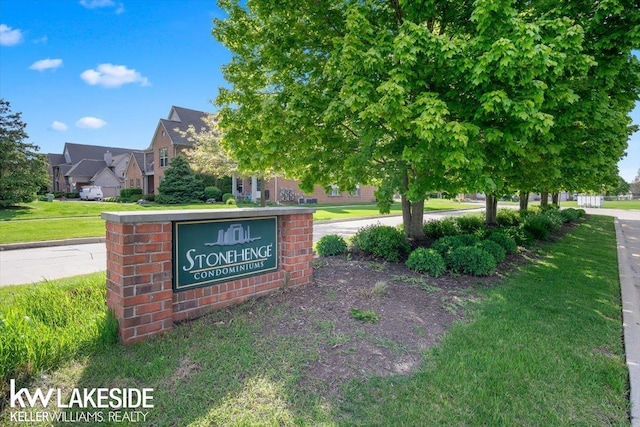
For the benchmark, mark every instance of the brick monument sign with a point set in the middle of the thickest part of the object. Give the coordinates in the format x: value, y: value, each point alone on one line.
x: 164, y: 267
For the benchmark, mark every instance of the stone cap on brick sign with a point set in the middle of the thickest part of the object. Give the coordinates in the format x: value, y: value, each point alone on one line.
x: 199, y: 214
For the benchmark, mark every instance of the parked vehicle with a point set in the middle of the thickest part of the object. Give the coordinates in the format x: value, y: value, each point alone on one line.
x: 91, y: 192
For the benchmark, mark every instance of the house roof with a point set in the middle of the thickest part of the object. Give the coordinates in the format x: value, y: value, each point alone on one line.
x: 78, y: 152
x: 86, y: 167
x: 55, y: 159
x: 179, y: 121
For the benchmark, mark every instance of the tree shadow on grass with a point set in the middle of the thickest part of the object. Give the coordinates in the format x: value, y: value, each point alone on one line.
x: 14, y: 212
x: 218, y: 370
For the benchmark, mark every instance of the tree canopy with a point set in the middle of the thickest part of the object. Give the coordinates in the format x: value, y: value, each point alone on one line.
x: 23, y: 171
x: 414, y: 97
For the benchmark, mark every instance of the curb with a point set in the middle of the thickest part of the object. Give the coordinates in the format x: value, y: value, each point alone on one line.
x: 630, y: 321
x: 48, y: 243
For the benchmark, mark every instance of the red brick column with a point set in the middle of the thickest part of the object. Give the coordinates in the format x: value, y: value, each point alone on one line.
x: 140, y: 268
x: 139, y: 278
x: 296, y: 246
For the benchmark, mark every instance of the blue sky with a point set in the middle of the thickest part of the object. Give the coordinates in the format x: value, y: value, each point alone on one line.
x: 103, y: 72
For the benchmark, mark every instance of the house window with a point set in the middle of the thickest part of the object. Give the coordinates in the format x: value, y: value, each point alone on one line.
x: 334, y: 191
x: 131, y: 183
x: 137, y: 182
x: 259, y: 185
x: 239, y: 186
x: 164, y: 157
x: 355, y: 192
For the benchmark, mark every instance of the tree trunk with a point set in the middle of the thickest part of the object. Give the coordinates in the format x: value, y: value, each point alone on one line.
x: 491, y: 204
x: 555, y: 199
x: 412, y: 218
x: 524, y: 200
x: 544, y: 199
x: 263, y: 200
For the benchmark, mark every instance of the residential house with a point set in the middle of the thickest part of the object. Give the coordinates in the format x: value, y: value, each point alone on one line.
x: 169, y: 141
x: 82, y: 164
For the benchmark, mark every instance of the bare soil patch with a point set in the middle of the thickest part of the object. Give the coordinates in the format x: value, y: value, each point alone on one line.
x: 413, y: 310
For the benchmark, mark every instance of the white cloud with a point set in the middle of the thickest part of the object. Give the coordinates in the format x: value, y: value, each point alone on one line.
x: 59, y: 126
x: 93, y: 4
x: 8, y: 36
x: 109, y: 75
x: 42, y: 39
x: 46, y: 64
x: 90, y: 123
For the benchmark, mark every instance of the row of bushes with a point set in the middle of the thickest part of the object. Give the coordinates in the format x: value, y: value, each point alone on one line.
x: 462, y: 245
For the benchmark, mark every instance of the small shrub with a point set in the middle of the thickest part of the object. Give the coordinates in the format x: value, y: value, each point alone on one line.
x: 569, y: 215
x: 471, y: 260
x: 445, y: 245
x: 497, y: 251
x: 541, y: 225
x: 230, y: 201
x: 508, y: 218
x: 213, y: 193
x: 226, y: 196
x: 149, y: 197
x: 470, y: 223
x: 437, y: 228
x: 581, y: 212
x: 428, y: 261
x: 521, y: 236
x: 331, y: 244
x: 468, y: 239
x: 381, y: 241
x: 508, y: 243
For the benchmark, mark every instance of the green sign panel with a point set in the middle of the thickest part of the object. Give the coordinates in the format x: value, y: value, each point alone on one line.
x: 210, y: 252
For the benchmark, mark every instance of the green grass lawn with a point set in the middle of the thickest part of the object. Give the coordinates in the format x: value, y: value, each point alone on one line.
x: 608, y: 204
x: 542, y: 347
x: 39, y: 221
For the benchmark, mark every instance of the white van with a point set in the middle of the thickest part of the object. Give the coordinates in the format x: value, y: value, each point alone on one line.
x: 91, y: 192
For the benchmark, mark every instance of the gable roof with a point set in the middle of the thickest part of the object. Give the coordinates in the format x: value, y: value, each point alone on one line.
x: 179, y: 120
x: 78, y: 152
x: 86, y: 167
x: 55, y: 159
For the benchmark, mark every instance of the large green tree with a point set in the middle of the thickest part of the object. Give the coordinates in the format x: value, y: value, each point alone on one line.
x: 23, y: 171
x: 410, y: 96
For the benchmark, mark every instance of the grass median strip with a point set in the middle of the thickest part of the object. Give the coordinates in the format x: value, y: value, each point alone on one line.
x: 541, y: 347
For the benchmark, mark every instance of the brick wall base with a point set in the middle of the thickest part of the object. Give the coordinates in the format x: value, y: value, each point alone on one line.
x: 140, y: 264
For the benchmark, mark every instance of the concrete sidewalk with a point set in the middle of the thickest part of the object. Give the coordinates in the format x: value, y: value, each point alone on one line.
x: 628, y: 240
